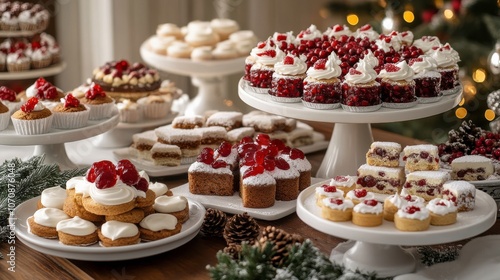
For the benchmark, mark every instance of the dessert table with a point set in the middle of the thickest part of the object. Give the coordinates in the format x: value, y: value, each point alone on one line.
x: 189, y: 261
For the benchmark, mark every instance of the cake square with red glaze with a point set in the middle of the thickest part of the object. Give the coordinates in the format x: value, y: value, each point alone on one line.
x: 426, y: 184
x: 209, y: 176
x: 421, y: 157
x: 380, y: 179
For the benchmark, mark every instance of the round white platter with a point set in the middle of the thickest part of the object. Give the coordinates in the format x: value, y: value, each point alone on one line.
x: 97, y: 253
x: 34, y: 73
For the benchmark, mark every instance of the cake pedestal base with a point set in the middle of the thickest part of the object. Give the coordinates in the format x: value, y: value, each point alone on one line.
x: 209, y: 96
x: 55, y: 154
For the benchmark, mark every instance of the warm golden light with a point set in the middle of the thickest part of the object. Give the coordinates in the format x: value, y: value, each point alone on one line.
x: 352, y: 19
x: 408, y: 16
x: 323, y: 13
x: 479, y: 75
x: 489, y: 114
x: 439, y: 4
x: 470, y: 89
x: 229, y: 103
x: 461, y: 112
x: 448, y: 14
x: 462, y: 102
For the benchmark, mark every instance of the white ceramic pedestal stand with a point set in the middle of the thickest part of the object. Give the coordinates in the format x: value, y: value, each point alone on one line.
x: 352, y: 135
x: 377, y: 249
x: 208, y: 76
x: 52, y: 144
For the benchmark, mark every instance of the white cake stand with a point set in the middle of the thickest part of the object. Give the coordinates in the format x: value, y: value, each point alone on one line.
x: 352, y: 135
x: 34, y: 73
x: 206, y: 75
x: 377, y: 249
x: 52, y: 144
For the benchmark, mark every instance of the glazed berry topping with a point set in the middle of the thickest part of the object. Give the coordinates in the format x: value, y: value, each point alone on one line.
x: 247, y: 148
x: 263, y: 139
x: 105, y: 180
x: 71, y: 101
x: 206, y: 156
x: 100, y: 167
x: 441, y: 203
x: 95, y: 91
x: 269, y: 164
x: 288, y: 60
x: 35, y: 45
x: 371, y: 202
x: 224, y: 149
x: 278, y: 143
x: 7, y: 94
x: 259, y: 156
x: 246, y: 139
x: 29, y: 105
x: 253, y: 170
x: 247, y: 160
x: 338, y: 28
x: 142, y: 184
x: 281, y: 37
x: 389, y: 67
x: 353, y: 71
x: 413, y: 60
x: 360, y: 192
x: 320, y: 64
x: 336, y: 201
x: 271, y: 53
x: 281, y: 164
x: 296, y: 153
x: 329, y: 188
x: 40, y: 82
x: 365, y: 27
x: 412, y: 209
x: 218, y: 164
x: 408, y: 198
x: 122, y: 65
x: 127, y: 172
x: 272, y: 150
x: 341, y: 178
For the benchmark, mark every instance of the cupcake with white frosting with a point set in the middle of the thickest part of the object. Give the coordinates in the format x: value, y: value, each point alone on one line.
x: 32, y: 118
x: 397, y: 85
x: 447, y: 61
x: 288, y: 80
x: 427, y: 79
x: 443, y: 212
x: 360, y: 90
x: 322, y: 86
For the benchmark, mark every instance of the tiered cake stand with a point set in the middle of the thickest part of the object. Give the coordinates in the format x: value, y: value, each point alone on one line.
x: 206, y: 75
x: 352, y: 135
x: 52, y: 144
x: 378, y: 249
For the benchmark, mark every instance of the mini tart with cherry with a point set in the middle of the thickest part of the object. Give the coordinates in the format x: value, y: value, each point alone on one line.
x: 70, y: 113
x: 101, y: 105
x: 10, y: 99
x: 32, y: 118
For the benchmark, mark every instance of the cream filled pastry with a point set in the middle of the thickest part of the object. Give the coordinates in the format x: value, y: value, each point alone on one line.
x: 114, y: 233
x: 174, y: 205
x: 157, y: 226
x: 77, y: 231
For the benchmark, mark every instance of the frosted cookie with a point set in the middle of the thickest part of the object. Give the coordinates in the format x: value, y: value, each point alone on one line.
x: 202, y: 53
x: 412, y: 218
x: 174, y: 205
x: 336, y: 209
x: 380, y: 179
x: 76, y: 188
x: 44, y: 221
x: 115, y: 233
x: 229, y: 120
x: 159, y: 189
x: 426, y: 184
x: 188, y: 122
x: 168, y: 30
x: 52, y: 198
x: 166, y: 155
x: 179, y: 49
x: 133, y: 216
x: 471, y: 168
x: 157, y: 226
x: 421, y: 157
x: 383, y: 154
x: 77, y: 232
x: 368, y: 213
x: 188, y: 140
x: 443, y: 212
x: 461, y: 193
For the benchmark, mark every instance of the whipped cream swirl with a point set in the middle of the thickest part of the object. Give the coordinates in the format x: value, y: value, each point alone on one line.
x: 364, y: 74
x: 345, y: 205
x: 53, y: 197
x: 310, y: 33
x: 331, y: 70
x: 169, y: 204
x: 365, y: 208
x: 298, y: 66
x: 441, y: 206
x: 116, y: 195
x: 337, y: 30
x: 159, y: 221
x: 371, y: 59
x: 446, y: 56
x: 417, y: 215
x: 49, y: 217
x: 423, y: 64
x: 76, y: 226
x: 80, y: 184
x: 427, y: 43
x: 115, y: 230
x: 404, y: 73
x: 366, y: 31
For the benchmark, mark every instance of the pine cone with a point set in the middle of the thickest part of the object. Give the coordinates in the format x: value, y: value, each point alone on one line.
x: 214, y: 222
x: 239, y: 228
x: 281, y: 240
x: 463, y: 139
x: 233, y: 250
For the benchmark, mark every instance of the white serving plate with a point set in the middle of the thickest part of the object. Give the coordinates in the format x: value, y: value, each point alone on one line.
x: 97, y: 253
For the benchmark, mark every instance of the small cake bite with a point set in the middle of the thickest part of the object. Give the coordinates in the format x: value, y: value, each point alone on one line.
x: 298, y: 160
x: 176, y: 205
x: 261, y: 72
x: 412, y: 218
x: 115, y: 233
x: 158, y: 226
x: 471, y: 168
x: 344, y: 183
x: 4, y: 116
x: 288, y: 80
x: 44, y: 221
x: 421, y: 157
x: 188, y: 140
x: 360, y: 91
x: 383, y: 154
x: 33, y: 118
x: 101, y: 105
x: 336, y: 209
x: 264, y: 123
x: 209, y: 176
x: 359, y: 195
x: 443, y: 212
x: 461, y: 193
x: 258, y: 188
x: 395, y: 202
x: 227, y: 119
x: 166, y: 155
x: 286, y: 176
x: 10, y: 99
x: 143, y: 142
x: 426, y: 184
x: 380, y: 179
x: 188, y: 122
x: 322, y: 86
x: 70, y: 113
x: 299, y: 137
x: 397, y: 85
x: 369, y: 213
x: 77, y: 232
x: 447, y: 61
x: 327, y: 191
x: 212, y: 136
x: 427, y: 79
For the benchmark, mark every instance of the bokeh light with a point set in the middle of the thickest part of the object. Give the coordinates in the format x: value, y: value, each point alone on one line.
x: 461, y: 112
x: 479, y: 75
x: 408, y: 16
x: 489, y: 114
x: 352, y: 19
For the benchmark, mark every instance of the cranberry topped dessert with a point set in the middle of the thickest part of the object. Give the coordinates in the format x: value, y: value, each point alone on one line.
x: 9, y: 98
x: 322, y: 89
x: 32, y: 118
x: 427, y: 43
x: 360, y: 91
x: 397, y: 85
x: 261, y: 73
x: 99, y: 103
x: 70, y: 113
x: 288, y: 80
x: 447, y: 59
x: 427, y: 79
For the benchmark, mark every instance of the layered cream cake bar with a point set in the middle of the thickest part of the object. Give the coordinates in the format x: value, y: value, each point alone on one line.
x: 229, y: 120
x: 212, y: 136
x: 380, y: 179
x: 167, y: 155
x: 143, y: 142
x: 461, y: 193
x: 188, y: 140
x: 426, y: 184
x: 264, y: 122
x: 421, y: 157
x: 188, y: 122
x: 234, y: 136
x: 471, y: 168
x: 383, y: 154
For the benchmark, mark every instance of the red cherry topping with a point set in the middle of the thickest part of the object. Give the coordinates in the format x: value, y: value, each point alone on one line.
x: 122, y: 65
x: 281, y: 37
x: 263, y: 139
x: 365, y: 27
x: 341, y: 178
x: 288, y: 60
x: 259, y: 156
x: 98, y: 168
x: 253, y: 170
x: 7, y: 94
x: 269, y: 164
x: 105, y: 180
x: 247, y: 148
x: 206, y: 156
x: 246, y: 139
x: 127, y: 171
x: 389, y: 67
x: 261, y: 45
x: 338, y: 28
x: 40, y: 82
x: 320, y: 64
x: 278, y: 143
x: 142, y: 184
x: 271, y: 53
x: 29, y: 105
x: 441, y: 203
x: 35, y: 45
x: 224, y: 149
x: 337, y: 201
x: 408, y: 198
x: 95, y: 91
x: 272, y: 150
x: 411, y: 209
x: 328, y: 188
x: 281, y: 164
x: 360, y: 192
x: 353, y: 71
x: 247, y: 160
x: 218, y: 164
x: 71, y: 101
x: 370, y: 202
x: 296, y: 153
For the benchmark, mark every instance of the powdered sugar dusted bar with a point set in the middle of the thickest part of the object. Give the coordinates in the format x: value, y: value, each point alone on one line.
x: 188, y: 122
x: 235, y: 135
x: 471, y: 168
x: 421, y: 157
x: 188, y: 140
x: 212, y: 136
x: 143, y: 142
x: 167, y: 155
x: 264, y: 122
x: 426, y: 184
x: 229, y: 120
x: 462, y: 193
x: 383, y: 154
x: 380, y: 179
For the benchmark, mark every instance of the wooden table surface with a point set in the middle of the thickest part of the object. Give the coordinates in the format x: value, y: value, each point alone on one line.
x: 186, y: 262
